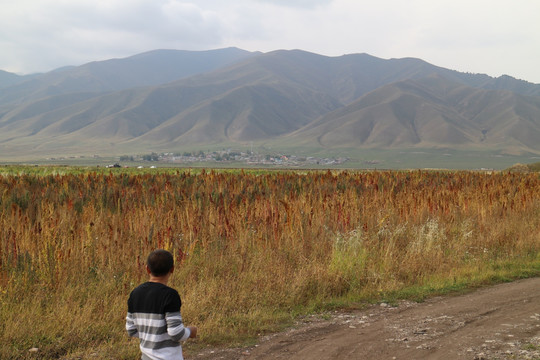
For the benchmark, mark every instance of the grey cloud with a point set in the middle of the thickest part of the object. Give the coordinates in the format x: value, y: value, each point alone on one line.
x: 172, y: 22
x: 83, y: 31
x: 38, y: 35
x: 309, y: 4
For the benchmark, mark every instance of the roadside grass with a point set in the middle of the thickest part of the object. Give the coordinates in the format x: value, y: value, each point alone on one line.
x: 254, y: 250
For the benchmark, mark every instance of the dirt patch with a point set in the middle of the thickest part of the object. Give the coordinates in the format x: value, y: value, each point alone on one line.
x: 499, y: 322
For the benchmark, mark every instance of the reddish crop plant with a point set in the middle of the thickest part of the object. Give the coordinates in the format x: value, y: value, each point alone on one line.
x: 249, y: 246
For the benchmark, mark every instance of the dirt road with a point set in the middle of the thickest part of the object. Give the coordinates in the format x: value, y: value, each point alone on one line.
x: 499, y: 322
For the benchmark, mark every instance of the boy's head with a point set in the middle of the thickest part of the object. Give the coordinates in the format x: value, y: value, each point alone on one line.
x: 160, y: 262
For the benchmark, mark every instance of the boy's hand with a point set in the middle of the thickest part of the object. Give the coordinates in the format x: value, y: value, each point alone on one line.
x: 193, y: 331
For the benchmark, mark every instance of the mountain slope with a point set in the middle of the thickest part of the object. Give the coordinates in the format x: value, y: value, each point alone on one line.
x: 288, y: 97
x: 234, y: 104
x: 147, y: 69
x: 429, y: 112
x: 255, y: 112
x: 8, y: 79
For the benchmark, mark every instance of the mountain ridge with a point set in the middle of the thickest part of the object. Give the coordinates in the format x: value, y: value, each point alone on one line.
x: 286, y: 97
x: 151, y: 68
x: 429, y: 113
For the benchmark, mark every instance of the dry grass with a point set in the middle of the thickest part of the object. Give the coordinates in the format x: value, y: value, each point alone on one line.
x: 253, y: 249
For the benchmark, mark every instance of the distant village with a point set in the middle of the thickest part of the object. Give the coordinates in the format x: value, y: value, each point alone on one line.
x: 227, y: 156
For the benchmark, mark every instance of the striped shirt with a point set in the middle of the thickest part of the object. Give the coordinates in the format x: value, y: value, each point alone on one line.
x: 154, y: 317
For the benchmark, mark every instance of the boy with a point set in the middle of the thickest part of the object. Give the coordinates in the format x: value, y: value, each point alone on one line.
x: 154, y: 312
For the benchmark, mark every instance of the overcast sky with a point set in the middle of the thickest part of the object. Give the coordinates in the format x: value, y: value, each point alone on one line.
x: 495, y: 37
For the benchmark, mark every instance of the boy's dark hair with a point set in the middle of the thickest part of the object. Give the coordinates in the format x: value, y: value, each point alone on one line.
x: 160, y: 262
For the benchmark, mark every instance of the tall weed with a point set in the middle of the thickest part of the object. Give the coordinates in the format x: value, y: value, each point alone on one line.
x: 252, y: 249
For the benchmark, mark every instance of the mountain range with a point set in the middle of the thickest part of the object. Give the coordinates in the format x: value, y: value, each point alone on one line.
x: 169, y: 100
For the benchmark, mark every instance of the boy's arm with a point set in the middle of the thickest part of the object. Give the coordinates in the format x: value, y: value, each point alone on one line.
x: 131, y: 328
x: 175, y: 327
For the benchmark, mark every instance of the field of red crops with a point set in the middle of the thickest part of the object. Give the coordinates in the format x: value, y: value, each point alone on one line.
x: 252, y: 249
